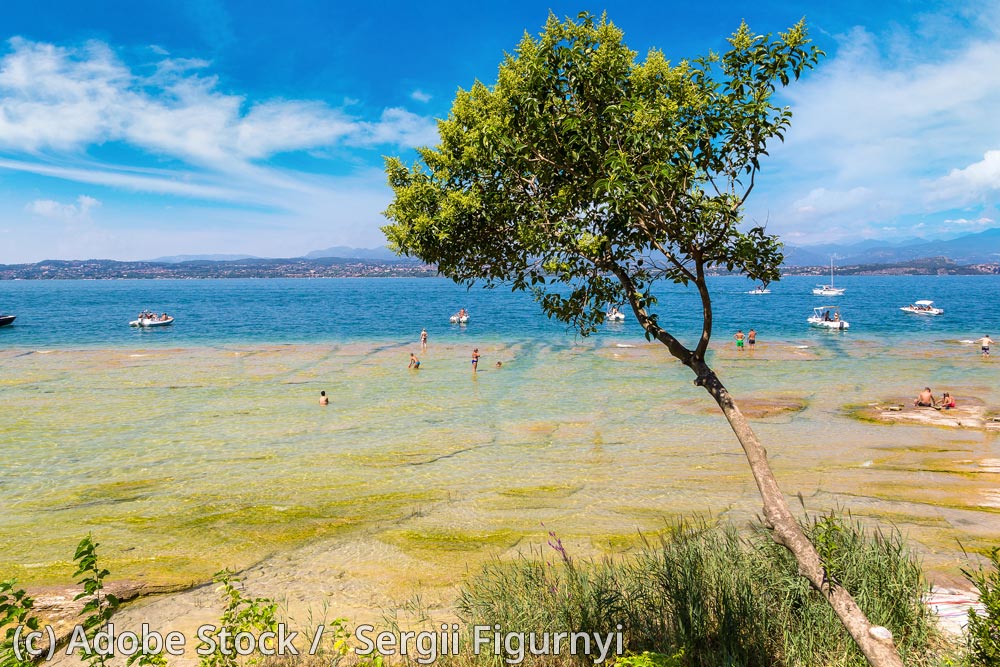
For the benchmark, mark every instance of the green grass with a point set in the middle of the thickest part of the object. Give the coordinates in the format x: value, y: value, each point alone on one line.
x: 708, y: 596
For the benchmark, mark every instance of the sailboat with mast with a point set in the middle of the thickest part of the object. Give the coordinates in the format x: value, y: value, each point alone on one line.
x: 829, y: 290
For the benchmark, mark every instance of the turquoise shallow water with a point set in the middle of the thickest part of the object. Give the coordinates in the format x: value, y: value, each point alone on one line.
x: 201, y: 446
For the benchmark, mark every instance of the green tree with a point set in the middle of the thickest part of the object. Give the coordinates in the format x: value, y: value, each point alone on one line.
x: 586, y: 177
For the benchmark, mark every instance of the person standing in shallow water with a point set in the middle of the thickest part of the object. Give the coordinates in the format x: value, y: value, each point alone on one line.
x: 423, y: 340
x: 323, y: 398
x: 475, y: 359
x: 985, y: 343
x: 752, y: 338
x: 739, y: 336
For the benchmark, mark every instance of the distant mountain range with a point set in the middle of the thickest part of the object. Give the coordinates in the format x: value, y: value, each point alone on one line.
x: 355, y: 253
x: 980, y: 248
x: 176, y: 259
x: 340, y: 251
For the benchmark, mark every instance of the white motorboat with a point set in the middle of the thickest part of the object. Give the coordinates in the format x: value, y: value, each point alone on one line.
x: 827, y: 317
x: 614, y: 315
x: 152, y: 321
x: 760, y: 290
x: 922, y: 307
x: 829, y: 290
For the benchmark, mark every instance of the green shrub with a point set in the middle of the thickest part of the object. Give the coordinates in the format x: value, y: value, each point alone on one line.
x: 15, y: 610
x: 984, y: 630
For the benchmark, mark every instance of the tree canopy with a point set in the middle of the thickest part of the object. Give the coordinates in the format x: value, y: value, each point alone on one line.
x: 583, y: 167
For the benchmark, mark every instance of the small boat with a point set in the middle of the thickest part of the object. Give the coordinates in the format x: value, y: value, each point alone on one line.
x: 829, y: 290
x: 760, y: 290
x: 150, y: 320
x: 614, y: 315
x: 6, y: 319
x: 827, y: 317
x: 922, y: 307
x: 461, y: 317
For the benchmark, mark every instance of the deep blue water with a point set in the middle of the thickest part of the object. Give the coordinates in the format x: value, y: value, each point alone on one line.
x: 73, y: 314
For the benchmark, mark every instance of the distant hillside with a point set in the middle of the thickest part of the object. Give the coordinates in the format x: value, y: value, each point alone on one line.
x: 174, y: 259
x: 925, y: 266
x: 356, y: 253
x: 296, y: 267
x: 980, y: 248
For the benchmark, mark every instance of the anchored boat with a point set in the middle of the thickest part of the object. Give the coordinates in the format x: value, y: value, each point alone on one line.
x: 827, y: 317
x: 922, y: 307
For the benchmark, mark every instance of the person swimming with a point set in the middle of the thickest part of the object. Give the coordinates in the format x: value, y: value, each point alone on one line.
x: 323, y: 398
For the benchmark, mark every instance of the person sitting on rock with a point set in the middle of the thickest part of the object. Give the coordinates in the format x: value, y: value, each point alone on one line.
x: 925, y: 399
x: 947, y: 401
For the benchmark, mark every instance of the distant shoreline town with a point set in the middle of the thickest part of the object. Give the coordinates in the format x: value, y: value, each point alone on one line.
x: 966, y: 255
x: 335, y: 267
x: 327, y: 267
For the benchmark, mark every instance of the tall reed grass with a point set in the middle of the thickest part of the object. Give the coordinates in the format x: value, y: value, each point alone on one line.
x: 709, y: 596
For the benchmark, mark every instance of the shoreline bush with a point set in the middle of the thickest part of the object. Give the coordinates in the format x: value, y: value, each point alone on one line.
x: 707, y: 596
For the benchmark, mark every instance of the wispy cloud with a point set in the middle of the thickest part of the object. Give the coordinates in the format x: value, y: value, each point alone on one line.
x: 892, y: 129
x: 396, y: 127
x: 61, y: 99
x: 978, y: 222
x: 420, y: 96
x: 165, y: 183
x: 59, y: 105
x: 58, y: 99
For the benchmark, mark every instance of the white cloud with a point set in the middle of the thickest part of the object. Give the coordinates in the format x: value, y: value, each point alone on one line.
x: 399, y: 127
x: 822, y: 202
x: 978, y: 222
x: 977, y: 181
x: 78, y: 212
x: 162, y: 182
x: 888, y: 130
x: 61, y: 99
x: 420, y: 96
x: 59, y: 104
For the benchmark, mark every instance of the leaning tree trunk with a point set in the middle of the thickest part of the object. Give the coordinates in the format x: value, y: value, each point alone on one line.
x: 874, y: 641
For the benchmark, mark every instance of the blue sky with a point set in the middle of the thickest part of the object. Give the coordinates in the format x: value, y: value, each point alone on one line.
x: 136, y: 129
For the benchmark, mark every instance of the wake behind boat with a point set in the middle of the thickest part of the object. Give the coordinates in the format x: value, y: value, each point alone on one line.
x: 150, y: 319
x: 6, y: 319
x: 922, y: 307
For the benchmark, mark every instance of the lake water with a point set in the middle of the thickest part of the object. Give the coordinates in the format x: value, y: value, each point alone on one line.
x: 78, y: 314
x: 201, y: 445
